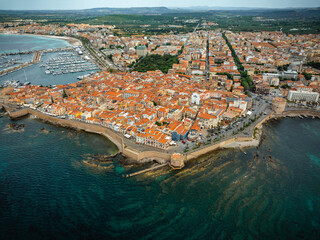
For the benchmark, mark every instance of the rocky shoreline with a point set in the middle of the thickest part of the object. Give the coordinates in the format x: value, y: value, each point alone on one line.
x: 3, y: 113
x: 45, y: 130
x: 136, y: 157
x: 16, y: 126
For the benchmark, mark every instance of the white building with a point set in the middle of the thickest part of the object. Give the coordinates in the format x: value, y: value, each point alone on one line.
x: 140, y: 138
x: 271, y: 78
x: 239, y: 104
x: 195, y: 98
x: 289, y: 74
x: 303, y: 96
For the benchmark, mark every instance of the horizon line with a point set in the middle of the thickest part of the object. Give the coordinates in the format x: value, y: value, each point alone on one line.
x: 173, y: 8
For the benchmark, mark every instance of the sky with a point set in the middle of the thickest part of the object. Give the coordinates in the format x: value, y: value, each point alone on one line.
x: 85, y: 4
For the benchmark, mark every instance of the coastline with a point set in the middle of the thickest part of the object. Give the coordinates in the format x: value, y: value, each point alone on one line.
x: 255, y: 139
x: 72, y: 41
x: 235, y: 142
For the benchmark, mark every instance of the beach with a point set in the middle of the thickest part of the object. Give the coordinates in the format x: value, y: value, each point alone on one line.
x: 73, y: 41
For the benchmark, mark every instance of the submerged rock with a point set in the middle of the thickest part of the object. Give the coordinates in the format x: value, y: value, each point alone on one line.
x: 16, y: 126
x: 101, y: 157
x: 2, y: 113
x: 45, y: 130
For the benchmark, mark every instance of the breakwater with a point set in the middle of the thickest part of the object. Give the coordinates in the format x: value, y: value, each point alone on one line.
x: 36, y: 58
x: 64, y: 49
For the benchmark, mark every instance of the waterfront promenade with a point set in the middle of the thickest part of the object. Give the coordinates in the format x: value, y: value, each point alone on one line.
x: 138, y: 153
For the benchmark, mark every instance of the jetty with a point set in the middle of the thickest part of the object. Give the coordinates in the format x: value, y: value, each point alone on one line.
x: 36, y: 58
x: 146, y: 170
x: 62, y: 49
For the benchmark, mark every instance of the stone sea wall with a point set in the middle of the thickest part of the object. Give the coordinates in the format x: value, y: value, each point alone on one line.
x: 138, y: 155
x: 239, y: 142
x: 114, y: 137
x: 252, y: 141
x: 293, y: 113
x: 236, y: 142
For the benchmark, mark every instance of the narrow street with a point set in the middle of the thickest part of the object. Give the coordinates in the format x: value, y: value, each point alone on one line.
x: 207, y: 71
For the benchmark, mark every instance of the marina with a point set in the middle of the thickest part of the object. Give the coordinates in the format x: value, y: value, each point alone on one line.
x: 6, y: 62
x: 67, y: 62
x: 48, y: 64
x: 14, y: 83
x: 10, y: 61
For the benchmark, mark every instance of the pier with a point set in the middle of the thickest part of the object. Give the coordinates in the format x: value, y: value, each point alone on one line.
x: 33, y: 51
x: 146, y: 170
x: 16, y: 68
x: 36, y: 58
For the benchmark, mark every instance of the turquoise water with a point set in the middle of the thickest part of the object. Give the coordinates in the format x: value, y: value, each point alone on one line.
x: 271, y: 192
x: 34, y: 73
x: 16, y: 43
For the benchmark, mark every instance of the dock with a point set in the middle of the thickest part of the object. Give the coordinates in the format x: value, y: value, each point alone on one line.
x: 33, y: 51
x: 36, y: 58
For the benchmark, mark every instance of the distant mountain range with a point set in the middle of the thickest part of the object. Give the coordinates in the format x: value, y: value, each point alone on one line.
x: 133, y: 10
x: 263, y: 12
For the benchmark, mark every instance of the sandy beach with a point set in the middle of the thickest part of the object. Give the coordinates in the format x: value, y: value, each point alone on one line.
x: 73, y: 41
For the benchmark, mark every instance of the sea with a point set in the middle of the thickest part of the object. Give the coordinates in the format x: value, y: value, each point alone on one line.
x: 267, y: 192
x: 10, y: 43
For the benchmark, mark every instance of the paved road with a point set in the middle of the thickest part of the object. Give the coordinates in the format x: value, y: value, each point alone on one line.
x: 100, y: 57
x: 207, y: 70
x: 260, y: 109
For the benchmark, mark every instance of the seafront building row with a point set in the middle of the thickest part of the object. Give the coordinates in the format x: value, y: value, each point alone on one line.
x: 204, y: 91
x: 153, y: 108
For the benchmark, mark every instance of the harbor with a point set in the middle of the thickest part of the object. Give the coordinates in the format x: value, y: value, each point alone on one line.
x: 43, y: 60
x: 67, y: 62
x: 46, y: 67
x: 19, y: 65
